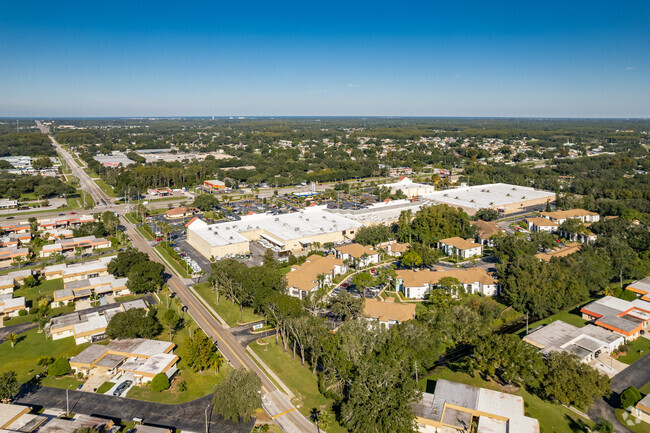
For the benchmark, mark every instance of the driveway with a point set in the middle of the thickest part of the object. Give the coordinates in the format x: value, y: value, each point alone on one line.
x: 244, y: 335
x: 637, y: 374
x: 188, y: 416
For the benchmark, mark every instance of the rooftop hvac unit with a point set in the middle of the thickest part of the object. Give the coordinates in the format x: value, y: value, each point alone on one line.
x: 491, y: 203
x: 514, y: 189
x: 277, y: 219
x: 444, y: 195
x: 297, y: 228
x: 456, y: 197
x: 523, y: 197
x: 322, y: 229
x: 482, y: 190
x: 231, y: 237
x: 472, y: 201
x: 508, y: 195
x: 487, y: 190
x: 306, y: 219
x: 324, y: 217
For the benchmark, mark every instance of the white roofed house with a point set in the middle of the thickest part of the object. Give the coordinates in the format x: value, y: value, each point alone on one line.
x: 10, y: 306
x: 78, y: 271
x: 456, y: 407
x: 460, y: 247
x: 13, y: 279
x: 538, y: 224
x: 77, y: 290
x: 62, y: 246
x: 416, y: 284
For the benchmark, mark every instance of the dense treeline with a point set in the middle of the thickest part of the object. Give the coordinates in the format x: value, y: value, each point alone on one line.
x: 25, y: 144
x: 14, y: 186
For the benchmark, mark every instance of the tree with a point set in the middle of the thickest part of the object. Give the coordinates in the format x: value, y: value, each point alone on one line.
x: 146, y: 276
x: 238, y: 396
x: 18, y: 260
x: 160, y: 382
x: 572, y: 382
x: 603, y: 426
x: 452, y: 286
x: 345, y: 306
x: 59, y: 367
x: 9, y: 385
x: 630, y: 397
x: 42, y: 162
x: 205, y: 202
x: 110, y: 221
x: 198, y: 352
x: 411, y: 259
x: 172, y: 321
x: 45, y: 361
x: 134, y: 323
x: 12, y: 338
x: 125, y: 260
x: 363, y: 281
x: 486, y: 214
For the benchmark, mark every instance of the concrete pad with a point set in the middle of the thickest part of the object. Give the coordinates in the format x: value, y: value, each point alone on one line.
x: 82, y: 305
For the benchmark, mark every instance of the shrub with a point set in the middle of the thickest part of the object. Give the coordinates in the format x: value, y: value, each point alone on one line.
x: 22, y: 313
x: 160, y: 382
x: 60, y: 367
x: 71, y: 304
x: 182, y: 386
x: 33, y: 310
x: 630, y: 397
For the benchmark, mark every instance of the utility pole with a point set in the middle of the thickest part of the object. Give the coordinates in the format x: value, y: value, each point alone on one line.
x: 526, y: 323
x: 67, y: 403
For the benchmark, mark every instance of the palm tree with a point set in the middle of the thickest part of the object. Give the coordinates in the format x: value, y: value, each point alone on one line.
x: 217, y: 362
x: 18, y: 260
x: 12, y: 338
x: 314, y: 416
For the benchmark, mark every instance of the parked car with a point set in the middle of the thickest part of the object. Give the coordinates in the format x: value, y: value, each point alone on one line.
x: 121, y: 387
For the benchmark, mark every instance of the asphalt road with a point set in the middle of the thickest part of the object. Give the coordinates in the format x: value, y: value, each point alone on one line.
x: 188, y: 416
x: 637, y: 375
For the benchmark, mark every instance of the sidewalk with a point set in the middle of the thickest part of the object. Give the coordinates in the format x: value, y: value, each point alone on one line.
x: 208, y: 307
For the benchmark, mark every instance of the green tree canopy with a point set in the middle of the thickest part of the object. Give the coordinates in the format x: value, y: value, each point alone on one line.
x: 134, y: 323
x: 9, y: 385
x: 59, y: 367
x: 237, y: 397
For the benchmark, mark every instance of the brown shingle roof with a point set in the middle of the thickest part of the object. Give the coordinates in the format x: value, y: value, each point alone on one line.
x: 356, y: 250
x: 467, y: 276
x: 486, y: 229
x: 562, y: 252
x: 305, y: 276
x: 571, y: 213
x: 398, y: 247
x: 460, y: 243
x: 385, y: 311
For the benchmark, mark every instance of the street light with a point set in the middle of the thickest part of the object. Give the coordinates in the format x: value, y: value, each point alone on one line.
x: 206, y: 417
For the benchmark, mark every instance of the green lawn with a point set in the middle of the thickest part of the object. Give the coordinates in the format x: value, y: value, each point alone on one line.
x: 636, y: 349
x: 645, y: 389
x: 571, y: 317
x: 108, y: 190
x: 64, y: 382
x: 298, y: 378
x: 173, y: 262
x: 24, y: 356
x: 33, y: 317
x: 641, y: 427
x: 105, y: 387
x: 45, y: 288
x: 551, y: 417
x: 226, y: 309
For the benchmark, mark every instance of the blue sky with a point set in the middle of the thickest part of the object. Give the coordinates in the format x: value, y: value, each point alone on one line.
x: 463, y: 58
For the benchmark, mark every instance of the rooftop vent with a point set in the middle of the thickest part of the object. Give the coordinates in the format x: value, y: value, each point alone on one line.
x: 508, y: 195
x: 231, y: 237
x: 324, y: 217
x: 297, y: 228
x: 456, y: 197
x: 514, y: 189
x: 322, y: 229
x: 277, y: 219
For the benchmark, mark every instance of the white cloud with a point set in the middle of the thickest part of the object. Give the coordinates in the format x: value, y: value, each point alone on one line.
x: 630, y: 68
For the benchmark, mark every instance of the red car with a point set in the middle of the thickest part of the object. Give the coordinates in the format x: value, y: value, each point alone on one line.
x: 73, y: 213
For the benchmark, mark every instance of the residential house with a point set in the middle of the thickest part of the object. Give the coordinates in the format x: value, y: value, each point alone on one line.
x: 641, y: 288
x: 563, y: 251
x: 180, y: 212
x: 7, y: 255
x: 388, y: 314
x: 83, y: 289
x: 57, y: 233
x: 642, y: 409
x: 316, y: 272
x: 13, y: 279
x: 584, y: 342
x: 627, y: 318
x: 463, y: 408
x: 80, y: 421
x: 87, y: 327
x: 86, y: 243
x: 460, y: 247
x: 78, y: 271
x: 14, y: 240
x: 415, y: 284
x: 539, y: 224
x: 17, y: 418
x: 16, y: 227
x: 487, y: 230
x: 357, y: 254
x: 583, y: 215
x: 10, y: 306
x: 141, y: 357
x: 396, y: 249
x: 65, y: 222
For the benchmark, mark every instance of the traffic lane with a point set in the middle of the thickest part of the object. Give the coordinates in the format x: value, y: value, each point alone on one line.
x: 186, y: 416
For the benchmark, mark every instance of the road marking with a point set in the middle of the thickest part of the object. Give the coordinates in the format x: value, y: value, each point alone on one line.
x: 282, y: 413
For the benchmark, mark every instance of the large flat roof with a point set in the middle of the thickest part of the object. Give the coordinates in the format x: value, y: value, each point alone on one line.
x: 487, y: 196
x: 312, y: 221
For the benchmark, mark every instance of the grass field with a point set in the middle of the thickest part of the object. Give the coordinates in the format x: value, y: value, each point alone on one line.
x: 298, y: 378
x: 641, y: 427
x: 106, y: 188
x: 571, y: 317
x: 23, y: 358
x: 551, y: 417
x: 45, y: 288
x: 226, y: 309
x: 173, y: 262
x: 105, y: 387
x: 636, y: 349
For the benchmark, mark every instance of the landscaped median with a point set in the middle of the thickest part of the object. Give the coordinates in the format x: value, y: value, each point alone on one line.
x: 226, y: 309
x: 174, y: 260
